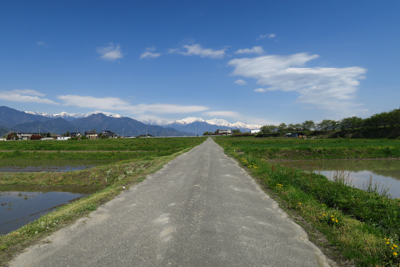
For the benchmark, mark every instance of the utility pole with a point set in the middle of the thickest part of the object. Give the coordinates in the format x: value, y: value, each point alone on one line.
x: 146, y: 131
x: 39, y: 128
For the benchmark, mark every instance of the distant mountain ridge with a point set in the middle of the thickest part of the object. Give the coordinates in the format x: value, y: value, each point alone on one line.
x: 73, y: 116
x: 199, y: 126
x: 20, y: 121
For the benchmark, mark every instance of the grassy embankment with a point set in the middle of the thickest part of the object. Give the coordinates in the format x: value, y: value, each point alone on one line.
x: 108, y: 178
x: 363, y: 225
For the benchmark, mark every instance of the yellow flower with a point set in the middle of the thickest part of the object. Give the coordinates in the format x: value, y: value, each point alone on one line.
x: 333, y: 219
x: 336, y: 220
x: 387, y: 242
x: 331, y: 215
x: 395, y: 246
x: 299, y: 203
x: 394, y: 253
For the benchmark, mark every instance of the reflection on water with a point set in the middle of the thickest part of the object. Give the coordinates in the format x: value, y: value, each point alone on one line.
x: 20, y: 208
x: 66, y: 168
x: 384, y: 172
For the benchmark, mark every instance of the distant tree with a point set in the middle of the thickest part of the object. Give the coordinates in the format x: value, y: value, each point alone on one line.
x: 334, y: 124
x: 308, y: 125
x: 236, y: 131
x: 266, y: 129
x: 48, y: 134
x: 298, y: 126
x: 282, y: 127
x: 351, y: 123
x: 324, y: 125
x: 291, y: 127
x: 216, y: 131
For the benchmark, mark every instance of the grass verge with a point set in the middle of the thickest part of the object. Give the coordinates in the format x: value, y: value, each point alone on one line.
x: 113, y: 176
x: 362, y: 225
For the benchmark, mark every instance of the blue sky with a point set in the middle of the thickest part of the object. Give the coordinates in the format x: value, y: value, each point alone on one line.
x: 258, y: 62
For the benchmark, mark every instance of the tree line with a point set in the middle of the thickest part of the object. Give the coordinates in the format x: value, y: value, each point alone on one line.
x: 384, y: 119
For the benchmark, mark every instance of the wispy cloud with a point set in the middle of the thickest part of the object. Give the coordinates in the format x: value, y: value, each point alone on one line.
x: 197, y: 50
x: 332, y: 89
x: 222, y: 113
x: 115, y: 103
x: 149, y: 53
x: 25, y: 95
x: 41, y: 43
x: 241, y: 82
x: 269, y: 36
x: 260, y: 90
x: 254, y: 50
x: 110, y: 53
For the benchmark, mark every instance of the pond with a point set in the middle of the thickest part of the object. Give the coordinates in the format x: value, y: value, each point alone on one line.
x: 18, y: 208
x: 384, y: 173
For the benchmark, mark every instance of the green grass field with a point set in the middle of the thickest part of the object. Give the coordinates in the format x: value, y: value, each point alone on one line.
x: 295, y: 148
x: 363, y: 225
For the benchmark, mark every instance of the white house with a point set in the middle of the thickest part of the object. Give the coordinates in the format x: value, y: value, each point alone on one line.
x: 63, y: 137
x: 255, y: 131
x: 227, y: 131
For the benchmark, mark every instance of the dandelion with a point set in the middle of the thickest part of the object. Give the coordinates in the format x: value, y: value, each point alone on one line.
x: 299, y: 203
x: 395, y: 246
x: 394, y: 253
x: 337, y: 221
x: 387, y: 242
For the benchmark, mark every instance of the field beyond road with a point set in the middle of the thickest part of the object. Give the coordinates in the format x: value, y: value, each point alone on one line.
x: 200, y: 209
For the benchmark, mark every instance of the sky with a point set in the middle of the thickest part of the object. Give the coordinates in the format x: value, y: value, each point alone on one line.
x: 259, y: 62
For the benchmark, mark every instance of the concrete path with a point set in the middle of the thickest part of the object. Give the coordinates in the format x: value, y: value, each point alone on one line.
x: 201, y: 209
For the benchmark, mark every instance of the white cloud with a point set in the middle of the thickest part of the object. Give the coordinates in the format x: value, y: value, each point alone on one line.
x: 149, y: 53
x: 260, y: 90
x: 197, y: 50
x: 241, y: 82
x: 115, y: 103
x: 41, y: 43
x: 269, y: 36
x: 254, y: 50
x: 222, y: 113
x: 110, y: 53
x: 25, y: 95
x: 332, y: 89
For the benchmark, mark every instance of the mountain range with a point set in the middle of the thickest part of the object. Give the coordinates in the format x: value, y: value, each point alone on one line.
x: 28, y: 121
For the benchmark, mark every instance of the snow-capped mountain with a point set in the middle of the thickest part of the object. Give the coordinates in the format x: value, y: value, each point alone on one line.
x: 73, y: 116
x: 217, y: 122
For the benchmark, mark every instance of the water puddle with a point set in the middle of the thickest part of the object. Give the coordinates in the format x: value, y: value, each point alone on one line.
x: 385, y: 173
x: 66, y: 168
x: 18, y: 208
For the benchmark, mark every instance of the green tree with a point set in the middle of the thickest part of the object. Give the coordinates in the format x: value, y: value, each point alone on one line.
x: 266, y: 129
x: 282, y: 127
x: 308, y: 125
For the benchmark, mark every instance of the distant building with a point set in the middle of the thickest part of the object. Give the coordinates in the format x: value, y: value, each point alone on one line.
x: 91, y: 135
x: 253, y: 131
x: 227, y: 131
x: 63, y: 137
x: 76, y: 134
x: 291, y: 135
x: 109, y: 134
x: 3, y: 139
x: 25, y: 136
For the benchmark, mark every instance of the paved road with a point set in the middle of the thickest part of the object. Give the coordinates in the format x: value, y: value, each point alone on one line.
x: 201, y: 209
